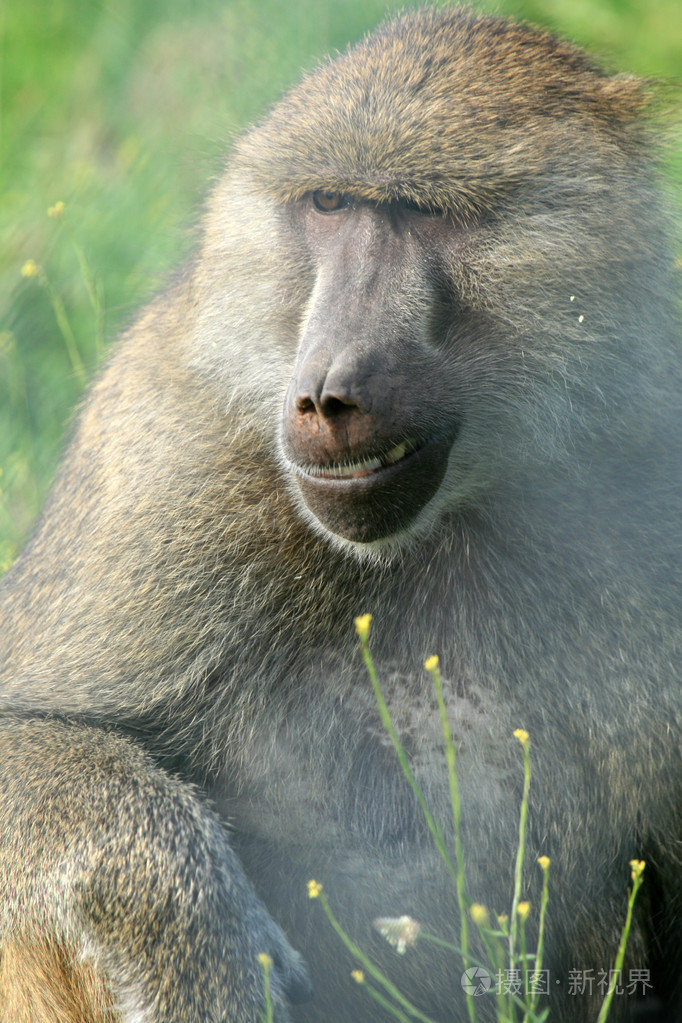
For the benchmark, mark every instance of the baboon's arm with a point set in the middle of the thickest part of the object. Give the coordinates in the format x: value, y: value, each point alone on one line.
x: 120, y: 886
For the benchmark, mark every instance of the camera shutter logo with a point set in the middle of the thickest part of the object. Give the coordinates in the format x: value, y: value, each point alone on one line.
x: 476, y: 981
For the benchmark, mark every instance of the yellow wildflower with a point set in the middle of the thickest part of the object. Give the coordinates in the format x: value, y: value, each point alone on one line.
x: 544, y: 862
x: 314, y: 889
x: 30, y: 268
x: 431, y: 663
x: 57, y: 210
x: 523, y: 909
x: 522, y: 735
x: 358, y: 976
x: 637, y: 868
x: 265, y: 960
x: 362, y: 626
x: 479, y: 914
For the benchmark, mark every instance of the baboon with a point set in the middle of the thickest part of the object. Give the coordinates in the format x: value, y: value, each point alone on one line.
x: 425, y: 365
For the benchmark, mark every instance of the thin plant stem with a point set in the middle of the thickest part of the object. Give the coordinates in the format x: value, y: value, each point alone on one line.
x: 523, y: 957
x: 544, y: 898
x: 387, y: 722
x: 266, y: 963
x: 65, y: 330
x: 460, y: 871
x: 637, y: 879
x: 94, y: 294
x: 521, y: 849
x: 385, y: 1004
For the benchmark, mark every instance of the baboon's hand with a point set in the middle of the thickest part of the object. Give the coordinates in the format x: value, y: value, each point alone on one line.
x: 120, y: 866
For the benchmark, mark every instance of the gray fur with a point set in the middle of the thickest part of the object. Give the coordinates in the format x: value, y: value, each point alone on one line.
x: 179, y: 594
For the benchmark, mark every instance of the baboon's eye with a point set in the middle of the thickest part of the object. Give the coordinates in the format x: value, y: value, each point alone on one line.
x: 327, y: 201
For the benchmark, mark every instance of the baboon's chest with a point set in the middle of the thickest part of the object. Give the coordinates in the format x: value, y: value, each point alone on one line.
x: 325, y: 781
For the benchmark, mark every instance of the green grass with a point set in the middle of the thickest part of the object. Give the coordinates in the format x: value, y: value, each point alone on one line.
x: 122, y: 110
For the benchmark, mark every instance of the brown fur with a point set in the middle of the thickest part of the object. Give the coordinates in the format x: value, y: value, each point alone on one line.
x: 42, y: 982
x: 494, y: 290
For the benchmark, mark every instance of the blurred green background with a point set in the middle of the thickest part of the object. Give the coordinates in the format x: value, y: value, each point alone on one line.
x: 121, y: 109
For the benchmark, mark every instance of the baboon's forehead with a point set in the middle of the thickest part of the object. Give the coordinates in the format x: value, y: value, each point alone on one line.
x: 444, y: 107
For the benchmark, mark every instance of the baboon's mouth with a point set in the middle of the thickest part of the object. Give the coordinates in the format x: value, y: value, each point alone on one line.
x: 369, y: 498
x: 363, y: 467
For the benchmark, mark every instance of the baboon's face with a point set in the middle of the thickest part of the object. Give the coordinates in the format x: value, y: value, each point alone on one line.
x: 431, y: 217
x: 370, y: 418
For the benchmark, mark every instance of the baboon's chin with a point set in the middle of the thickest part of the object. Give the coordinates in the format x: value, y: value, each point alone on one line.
x: 375, y: 503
